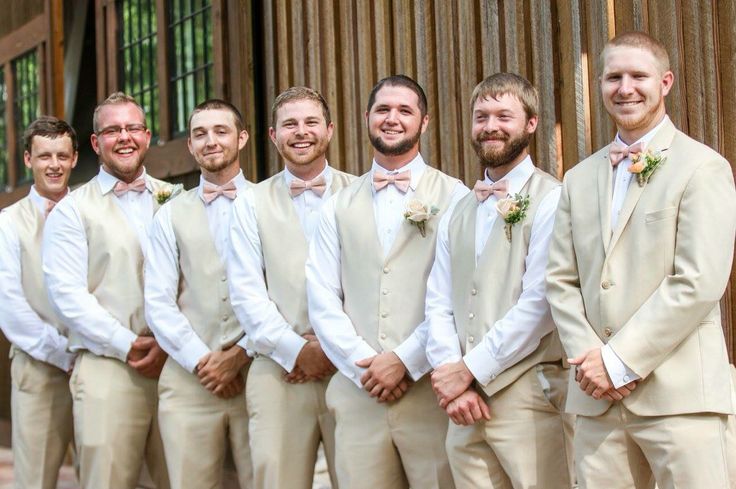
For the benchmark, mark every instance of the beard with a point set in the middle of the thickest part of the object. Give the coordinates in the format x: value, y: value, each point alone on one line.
x: 396, y: 149
x: 493, y: 158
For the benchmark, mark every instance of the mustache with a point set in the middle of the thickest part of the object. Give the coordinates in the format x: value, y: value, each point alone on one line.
x: 495, y: 135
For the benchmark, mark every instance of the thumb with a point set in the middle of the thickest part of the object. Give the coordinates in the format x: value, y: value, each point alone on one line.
x: 365, y: 363
x: 577, y: 360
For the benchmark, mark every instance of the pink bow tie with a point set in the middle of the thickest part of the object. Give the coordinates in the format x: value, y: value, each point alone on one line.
x: 121, y: 188
x: 618, y: 152
x: 317, y: 185
x: 400, y: 180
x: 212, y: 191
x: 50, y: 204
x: 482, y: 190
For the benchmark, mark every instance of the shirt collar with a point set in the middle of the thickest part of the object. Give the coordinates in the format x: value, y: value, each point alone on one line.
x: 39, y: 201
x: 326, y: 172
x: 238, y: 180
x: 107, y: 181
x: 517, y: 177
x: 416, y: 165
x: 647, y: 138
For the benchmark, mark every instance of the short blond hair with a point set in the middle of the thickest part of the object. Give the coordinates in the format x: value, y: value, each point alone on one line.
x: 640, y: 40
x: 116, y: 98
x: 500, y: 84
x: 295, y: 94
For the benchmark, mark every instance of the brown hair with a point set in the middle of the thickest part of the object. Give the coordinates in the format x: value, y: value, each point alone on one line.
x: 400, y: 81
x: 114, y: 99
x: 294, y: 94
x: 508, y: 84
x: 214, y: 104
x: 48, y: 127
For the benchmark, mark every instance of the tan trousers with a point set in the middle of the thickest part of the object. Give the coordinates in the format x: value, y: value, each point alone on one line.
x: 115, y: 424
x: 41, y: 418
x: 526, y: 444
x: 287, y: 423
x: 620, y: 450
x: 197, y: 428
x: 390, y: 446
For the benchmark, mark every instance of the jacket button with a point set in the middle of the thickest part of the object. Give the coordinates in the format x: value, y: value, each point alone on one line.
x: 608, y: 332
x: 473, y: 292
x: 384, y: 291
x: 471, y: 315
x: 471, y: 339
x: 384, y: 314
x: 386, y: 270
x: 383, y: 336
x: 606, y: 284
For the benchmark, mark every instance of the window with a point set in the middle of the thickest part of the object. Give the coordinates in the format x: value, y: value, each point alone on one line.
x: 137, y: 56
x: 3, y: 134
x: 25, y: 106
x: 190, y: 31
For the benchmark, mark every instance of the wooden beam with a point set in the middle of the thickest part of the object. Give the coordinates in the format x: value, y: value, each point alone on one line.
x: 10, y: 132
x: 23, y: 39
x: 101, y: 50
x: 162, y: 71
x: 55, y: 56
x: 219, y: 49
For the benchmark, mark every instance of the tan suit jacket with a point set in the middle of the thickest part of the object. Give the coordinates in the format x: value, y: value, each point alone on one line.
x: 651, y: 286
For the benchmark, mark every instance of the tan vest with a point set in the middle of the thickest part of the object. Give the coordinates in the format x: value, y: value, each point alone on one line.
x: 115, y: 261
x: 203, y: 298
x: 285, y: 246
x: 483, y: 293
x: 384, y: 296
x: 28, y: 223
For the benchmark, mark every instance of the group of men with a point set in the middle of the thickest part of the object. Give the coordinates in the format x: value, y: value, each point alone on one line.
x: 311, y: 308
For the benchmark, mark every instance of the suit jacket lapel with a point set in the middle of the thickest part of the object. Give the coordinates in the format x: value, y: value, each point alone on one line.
x: 605, y: 186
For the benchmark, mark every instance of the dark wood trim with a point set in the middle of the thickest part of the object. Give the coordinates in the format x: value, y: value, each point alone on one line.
x: 10, y: 124
x: 111, y: 46
x: 55, y: 58
x: 23, y: 39
x: 170, y: 159
x: 8, y: 198
x: 162, y: 59
x: 219, y: 50
x: 100, y: 50
x: 43, y: 80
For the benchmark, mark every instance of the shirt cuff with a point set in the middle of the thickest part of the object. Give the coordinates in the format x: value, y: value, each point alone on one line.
x: 120, y: 343
x: 617, y: 370
x: 287, y: 349
x: 482, y: 365
x: 353, y: 372
x: 412, y: 355
x: 243, y: 343
x: 191, y: 353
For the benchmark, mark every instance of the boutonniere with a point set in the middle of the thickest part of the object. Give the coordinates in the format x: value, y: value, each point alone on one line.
x: 166, y: 192
x: 417, y: 213
x: 512, y: 210
x: 644, y: 164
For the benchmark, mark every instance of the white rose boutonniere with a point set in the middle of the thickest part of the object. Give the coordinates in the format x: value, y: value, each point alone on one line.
x: 418, y: 213
x: 166, y: 192
x: 512, y: 210
x: 644, y: 164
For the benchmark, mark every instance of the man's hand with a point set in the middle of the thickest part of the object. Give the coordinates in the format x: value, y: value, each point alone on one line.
x: 468, y: 408
x: 232, y: 389
x: 296, y: 376
x: 384, y: 373
x: 146, y: 357
x: 591, y: 374
x: 621, y: 392
x: 450, y: 380
x: 312, y: 360
x: 218, y: 368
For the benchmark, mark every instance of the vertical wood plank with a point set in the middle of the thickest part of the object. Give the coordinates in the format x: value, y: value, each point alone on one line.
x: 101, y: 50
x: 349, y: 116
x: 111, y: 44
x: 271, y: 57
x: 490, y: 37
x: 597, y: 20
x: 11, y: 146
x: 367, y: 76
x: 55, y: 67
x: 465, y: 164
x: 162, y: 71
x: 542, y: 76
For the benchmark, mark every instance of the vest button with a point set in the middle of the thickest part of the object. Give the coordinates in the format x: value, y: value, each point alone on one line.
x: 606, y: 285
x: 223, y: 278
x: 224, y: 299
x: 383, y: 336
x: 474, y: 292
x: 608, y: 332
x: 384, y: 292
x: 471, y: 315
x: 225, y: 317
x: 471, y: 339
x: 384, y: 314
x: 386, y: 270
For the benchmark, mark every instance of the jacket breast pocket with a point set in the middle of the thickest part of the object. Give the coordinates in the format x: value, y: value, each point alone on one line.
x: 660, y: 215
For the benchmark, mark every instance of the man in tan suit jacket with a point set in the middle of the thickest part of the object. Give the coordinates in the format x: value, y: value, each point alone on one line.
x: 640, y: 258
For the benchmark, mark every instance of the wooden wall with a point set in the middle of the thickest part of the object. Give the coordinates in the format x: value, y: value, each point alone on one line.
x: 342, y: 47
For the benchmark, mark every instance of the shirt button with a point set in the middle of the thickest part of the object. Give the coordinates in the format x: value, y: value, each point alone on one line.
x: 608, y: 332
x: 384, y: 292
x: 606, y: 285
x: 626, y: 378
x: 384, y: 314
x: 386, y: 270
x: 383, y: 336
x: 471, y: 339
x: 473, y: 292
x: 471, y: 315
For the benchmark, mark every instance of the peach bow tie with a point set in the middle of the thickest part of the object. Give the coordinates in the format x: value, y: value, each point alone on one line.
x: 400, y: 180
x: 211, y: 191
x: 317, y: 185
x: 482, y: 190
x: 121, y: 188
x: 50, y: 204
x: 618, y: 152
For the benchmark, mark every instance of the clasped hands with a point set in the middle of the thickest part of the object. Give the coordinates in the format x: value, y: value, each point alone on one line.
x: 219, y: 371
x: 592, y: 377
x: 146, y: 357
x: 311, y: 363
x: 451, y: 383
x: 385, y: 377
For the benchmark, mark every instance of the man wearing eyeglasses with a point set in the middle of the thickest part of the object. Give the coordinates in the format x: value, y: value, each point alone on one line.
x: 93, y: 251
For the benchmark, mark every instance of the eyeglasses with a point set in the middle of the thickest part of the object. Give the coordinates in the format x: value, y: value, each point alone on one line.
x: 115, y: 131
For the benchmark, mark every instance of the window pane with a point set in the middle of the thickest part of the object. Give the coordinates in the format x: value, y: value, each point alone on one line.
x: 3, y: 134
x: 25, y: 106
x: 190, y: 58
x: 137, y: 56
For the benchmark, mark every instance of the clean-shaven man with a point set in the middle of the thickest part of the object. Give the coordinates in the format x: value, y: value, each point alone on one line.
x: 41, y: 404
x: 201, y: 390
x: 640, y: 257
x: 93, y: 248
x: 497, y: 357
x: 271, y: 227
x: 366, y: 282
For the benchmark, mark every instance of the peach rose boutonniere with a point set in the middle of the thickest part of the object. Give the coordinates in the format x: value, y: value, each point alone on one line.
x: 644, y: 164
x: 512, y: 210
x: 418, y: 213
x: 166, y: 192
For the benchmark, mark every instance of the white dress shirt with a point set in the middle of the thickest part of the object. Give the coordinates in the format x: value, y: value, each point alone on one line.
x: 65, y: 252
x: 619, y: 373
x: 339, y: 339
x: 269, y: 332
x: 518, y: 333
x: 172, y: 329
x: 21, y: 324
